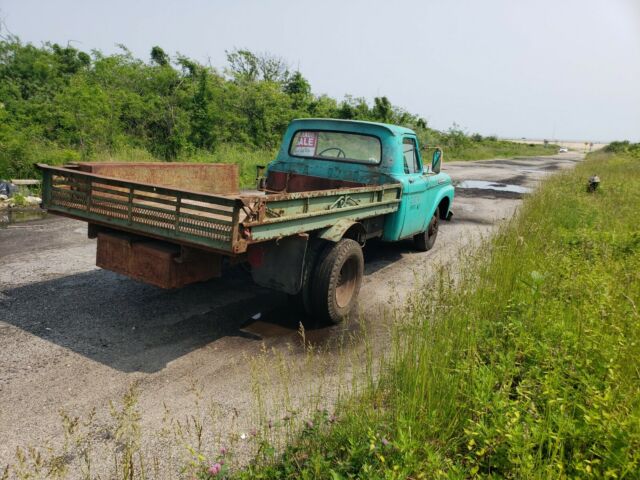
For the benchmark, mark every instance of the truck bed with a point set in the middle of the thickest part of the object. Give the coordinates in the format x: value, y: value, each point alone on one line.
x: 221, y: 222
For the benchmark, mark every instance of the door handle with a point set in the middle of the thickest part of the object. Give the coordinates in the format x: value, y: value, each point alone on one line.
x: 411, y: 180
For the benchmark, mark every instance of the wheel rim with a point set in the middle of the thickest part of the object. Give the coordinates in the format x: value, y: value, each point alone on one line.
x: 347, y: 282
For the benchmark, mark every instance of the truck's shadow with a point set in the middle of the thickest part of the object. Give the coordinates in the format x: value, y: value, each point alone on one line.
x: 131, y: 326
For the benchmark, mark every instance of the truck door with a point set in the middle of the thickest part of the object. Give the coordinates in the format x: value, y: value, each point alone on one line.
x: 415, y: 189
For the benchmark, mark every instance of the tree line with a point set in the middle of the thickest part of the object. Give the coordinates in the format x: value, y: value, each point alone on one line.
x: 59, y: 104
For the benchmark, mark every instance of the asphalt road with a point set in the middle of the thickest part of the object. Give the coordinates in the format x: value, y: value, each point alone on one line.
x: 74, y: 337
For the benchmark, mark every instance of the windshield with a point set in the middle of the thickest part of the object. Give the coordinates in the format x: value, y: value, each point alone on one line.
x: 336, y: 146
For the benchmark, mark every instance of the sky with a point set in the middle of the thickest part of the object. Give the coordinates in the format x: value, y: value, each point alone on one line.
x: 556, y: 69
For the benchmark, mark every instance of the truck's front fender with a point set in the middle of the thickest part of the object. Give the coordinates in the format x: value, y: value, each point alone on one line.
x: 447, y: 192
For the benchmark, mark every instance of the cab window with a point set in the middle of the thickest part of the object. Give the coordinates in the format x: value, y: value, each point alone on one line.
x: 342, y: 146
x: 411, y: 159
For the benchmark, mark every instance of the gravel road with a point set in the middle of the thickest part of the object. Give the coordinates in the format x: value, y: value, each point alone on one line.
x: 74, y: 337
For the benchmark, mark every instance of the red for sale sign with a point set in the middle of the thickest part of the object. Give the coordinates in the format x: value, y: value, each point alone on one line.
x: 306, y: 144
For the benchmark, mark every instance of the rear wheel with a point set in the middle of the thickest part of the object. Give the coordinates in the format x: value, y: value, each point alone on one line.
x: 337, y: 280
x: 424, y: 241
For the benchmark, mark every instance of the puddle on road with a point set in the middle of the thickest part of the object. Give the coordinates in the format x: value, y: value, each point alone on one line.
x: 541, y: 170
x: 499, y: 187
x: 284, y: 322
x: 12, y: 215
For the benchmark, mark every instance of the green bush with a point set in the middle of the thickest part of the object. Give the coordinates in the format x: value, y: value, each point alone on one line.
x: 617, y: 147
x: 624, y: 147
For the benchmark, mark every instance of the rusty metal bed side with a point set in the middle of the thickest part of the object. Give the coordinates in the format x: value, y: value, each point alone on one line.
x: 279, y: 215
x: 187, y: 217
x: 222, y: 223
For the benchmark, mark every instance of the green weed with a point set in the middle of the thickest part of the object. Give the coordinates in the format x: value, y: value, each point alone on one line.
x: 19, y: 200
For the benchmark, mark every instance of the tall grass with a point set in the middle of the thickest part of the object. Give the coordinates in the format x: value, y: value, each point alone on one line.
x: 246, y: 158
x: 523, y: 365
x: 489, y: 148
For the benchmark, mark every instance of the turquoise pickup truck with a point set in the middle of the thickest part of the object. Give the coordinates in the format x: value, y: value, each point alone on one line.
x: 334, y: 185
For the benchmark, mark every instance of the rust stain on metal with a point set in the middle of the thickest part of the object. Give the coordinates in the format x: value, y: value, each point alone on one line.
x: 294, y: 182
x: 277, y: 196
x: 162, y: 264
x: 218, y: 178
x: 336, y: 231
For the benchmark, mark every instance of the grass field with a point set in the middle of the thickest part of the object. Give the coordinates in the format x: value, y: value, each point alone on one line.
x: 523, y: 365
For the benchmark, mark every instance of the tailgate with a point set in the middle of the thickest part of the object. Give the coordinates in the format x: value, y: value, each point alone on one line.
x: 176, y: 215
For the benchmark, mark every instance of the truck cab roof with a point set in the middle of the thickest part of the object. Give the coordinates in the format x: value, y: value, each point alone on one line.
x: 348, y: 125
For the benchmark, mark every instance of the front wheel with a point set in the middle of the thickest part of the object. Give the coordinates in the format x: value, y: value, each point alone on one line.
x: 337, y: 280
x: 424, y: 241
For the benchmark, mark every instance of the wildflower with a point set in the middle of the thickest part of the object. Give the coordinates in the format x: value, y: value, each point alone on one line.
x: 309, y: 424
x: 270, y: 424
x: 253, y: 432
x: 223, y: 451
x: 385, y: 442
x: 243, y: 436
x: 332, y: 419
x: 214, y: 469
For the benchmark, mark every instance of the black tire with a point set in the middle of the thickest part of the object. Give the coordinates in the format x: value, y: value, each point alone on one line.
x: 424, y: 241
x: 336, y: 281
x: 302, y: 299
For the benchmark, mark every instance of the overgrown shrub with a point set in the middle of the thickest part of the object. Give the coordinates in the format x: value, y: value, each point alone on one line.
x: 622, y: 147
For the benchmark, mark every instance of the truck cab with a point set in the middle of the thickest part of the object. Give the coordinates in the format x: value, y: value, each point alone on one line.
x: 333, y: 154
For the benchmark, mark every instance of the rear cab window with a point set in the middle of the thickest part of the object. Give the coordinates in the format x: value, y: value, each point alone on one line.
x: 341, y: 146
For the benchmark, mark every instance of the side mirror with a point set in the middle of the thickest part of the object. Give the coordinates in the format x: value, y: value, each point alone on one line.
x: 436, y: 161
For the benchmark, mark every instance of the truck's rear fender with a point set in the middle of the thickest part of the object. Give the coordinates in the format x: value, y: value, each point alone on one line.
x: 358, y: 230
x: 344, y: 228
